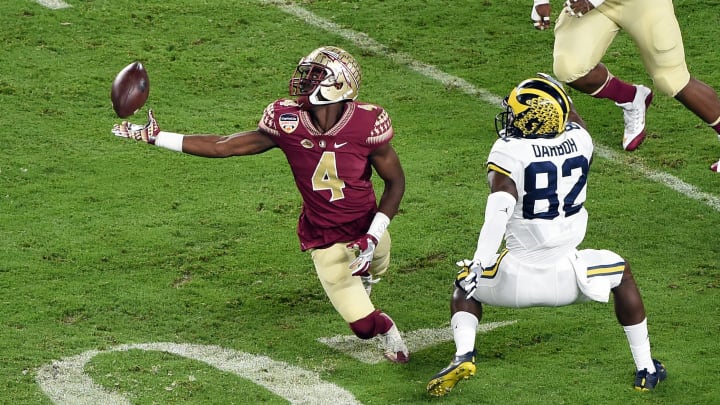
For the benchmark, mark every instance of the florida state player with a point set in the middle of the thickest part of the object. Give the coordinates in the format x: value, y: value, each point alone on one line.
x: 584, y: 31
x: 332, y: 144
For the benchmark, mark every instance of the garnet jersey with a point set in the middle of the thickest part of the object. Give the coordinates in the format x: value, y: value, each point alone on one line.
x: 332, y: 169
x: 549, y: 219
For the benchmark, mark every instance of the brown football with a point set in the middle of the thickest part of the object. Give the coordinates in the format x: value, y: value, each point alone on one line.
x: 130, y: 90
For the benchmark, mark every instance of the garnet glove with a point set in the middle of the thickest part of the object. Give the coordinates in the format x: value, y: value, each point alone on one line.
x: 366, y: 245
x: 366, y: 248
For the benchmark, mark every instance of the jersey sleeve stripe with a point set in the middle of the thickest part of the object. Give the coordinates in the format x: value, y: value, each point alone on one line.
x: 606, y: 269
x: 496, y: 168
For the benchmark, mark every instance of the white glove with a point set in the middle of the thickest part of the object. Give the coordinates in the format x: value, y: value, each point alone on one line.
x: 147, y: 132
x: 366, y: 249
x: 468, y: 277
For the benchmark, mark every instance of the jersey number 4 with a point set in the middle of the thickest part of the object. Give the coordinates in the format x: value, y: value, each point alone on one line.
x: 541, y: 184
x: 326, y: 177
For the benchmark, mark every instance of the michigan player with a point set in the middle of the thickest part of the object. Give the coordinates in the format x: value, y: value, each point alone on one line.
x: 331, y: 143
x: 537, y: 172
x: 583, y: 34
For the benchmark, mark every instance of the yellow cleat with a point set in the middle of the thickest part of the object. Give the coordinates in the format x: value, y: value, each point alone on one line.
x: 461, y: 368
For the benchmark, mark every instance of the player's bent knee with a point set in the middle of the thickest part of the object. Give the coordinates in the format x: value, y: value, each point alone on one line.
x: 566, y: 69
x: 372, y: 325
x: 671, y: 81
x: 458, y: 303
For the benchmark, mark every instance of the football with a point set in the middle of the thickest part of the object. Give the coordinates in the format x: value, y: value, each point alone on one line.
x: 130, y: 90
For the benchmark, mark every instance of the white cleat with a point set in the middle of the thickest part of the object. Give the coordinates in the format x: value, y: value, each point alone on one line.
x: 634, y: 115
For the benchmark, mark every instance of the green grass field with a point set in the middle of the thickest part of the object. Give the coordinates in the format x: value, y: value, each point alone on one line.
x: 132, y: 274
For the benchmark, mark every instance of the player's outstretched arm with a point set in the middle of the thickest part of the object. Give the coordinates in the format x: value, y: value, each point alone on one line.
x: 239, y: 144
x: 214, y: 146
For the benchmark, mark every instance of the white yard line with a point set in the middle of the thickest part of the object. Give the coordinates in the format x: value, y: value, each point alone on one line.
x: 363, y: 41
x: 666, y: 179
x: 53, y: 4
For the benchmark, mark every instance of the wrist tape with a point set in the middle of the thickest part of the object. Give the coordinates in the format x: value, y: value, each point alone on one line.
x: 379, y: 225
x: 169, y: 140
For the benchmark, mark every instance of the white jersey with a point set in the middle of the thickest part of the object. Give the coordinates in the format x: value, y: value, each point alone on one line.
x: 549, y: 219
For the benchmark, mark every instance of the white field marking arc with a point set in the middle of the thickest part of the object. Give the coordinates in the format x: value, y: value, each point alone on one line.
x: 363, y: 41
x: 53, y: 4
x: 65, y: 381
x: 367, y: 351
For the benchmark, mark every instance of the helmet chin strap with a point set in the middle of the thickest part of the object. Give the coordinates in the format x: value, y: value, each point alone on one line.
x: 316, y: 98
x: 307, y: 102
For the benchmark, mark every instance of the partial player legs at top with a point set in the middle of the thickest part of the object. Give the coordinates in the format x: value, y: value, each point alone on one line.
x: 582, y: 41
